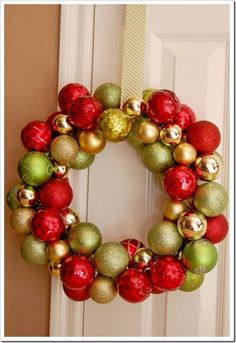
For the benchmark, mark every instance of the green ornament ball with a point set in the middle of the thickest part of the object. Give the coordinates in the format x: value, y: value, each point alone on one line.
x: 164, y: 239
x: 111, y: 259
x: 84, y: 238
x: 11, y: 197
x: 20, y: 219
x: 132, y: 137
x: 108, y: 94
x: 103, y: 289
x: 82, y: 160
x: 34, y: 251
x: 64, y: 149
x: 147, y: 93
x: 200, y: 256
x: 192, y: 281
x: 158, y: 157
x: 35, y: 168
x: 211, y: 199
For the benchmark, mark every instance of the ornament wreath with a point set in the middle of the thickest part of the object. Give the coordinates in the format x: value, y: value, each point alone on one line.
x: 181, y: 248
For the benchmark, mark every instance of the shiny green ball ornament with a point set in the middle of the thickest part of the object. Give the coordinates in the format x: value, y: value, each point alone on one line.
x: 35, y: 168
x: 158, y: 157
x: 103, y: 289
x: 108, y: 94
x: 20, y: 220
x: 82, y: 160
x: 34, y: 251
x: 11, y: 196
x: 192, y: 281
x: 147, y: 93
x: 111, y: 259
x: 164, y: 239
x: 133, y: 138
x: 84, y: 238
x: 64, y: 149
x: 211, y: 199
x: 200, y: 256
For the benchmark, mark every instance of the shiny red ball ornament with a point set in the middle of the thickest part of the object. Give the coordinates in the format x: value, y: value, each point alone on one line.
x: 77, y: 272
x: 167, y: 273
x: 134, y: 285
x: 204, y: 136
x: 69, y: 93
x: 179, y: 182
x: 131, y: 245
x: 56, y: 193
x: 217, y: 228
x: 36, y: 135
x: 85, y: 112
x: 157, y: 290
x: 48, y: 224
x: 76, y: 294
x: 163, y: 106
x: 185, y: 117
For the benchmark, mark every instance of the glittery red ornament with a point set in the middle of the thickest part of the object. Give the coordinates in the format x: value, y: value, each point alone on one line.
x: 179, y: 182
x: 131, y: 245
x: 36, y: 135
x: 47, y: 225
x: 56, y: 193
x: 167, y: 273
x: 204, y: 136
x: 85, y: 112
x: 69, y: 93
x: 185, y: 117
x: 134, y: 285
x: 77, y: 272
x: 163, y: 106
x: 217, y: 228
x: 76, y: 294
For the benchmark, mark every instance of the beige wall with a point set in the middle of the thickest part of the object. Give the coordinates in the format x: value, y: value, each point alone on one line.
x: 31, y: 65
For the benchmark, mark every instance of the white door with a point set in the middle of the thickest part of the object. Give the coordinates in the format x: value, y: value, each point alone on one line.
x: 187, y: 53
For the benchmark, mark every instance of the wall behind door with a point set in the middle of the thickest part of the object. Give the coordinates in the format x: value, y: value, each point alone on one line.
x: 31, y: 68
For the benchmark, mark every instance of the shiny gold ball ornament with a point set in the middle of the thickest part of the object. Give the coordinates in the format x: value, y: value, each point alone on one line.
x: 132, y: 107
x: 148, y: 132
x: 108, y: 94
x: 157, y: 157
x: 34, y: 251
x: 185, y: 153
x: 192, y: 225
x: 20, y: 220
x: 114, y: 125
x: 57, y: 251
x: 64, y: 149
x: 208, y: 166
x: 82, y: 160
x: 171, y: 135
x: 70, y: 217
x: 111, y: 259
x: 61, y: 124
x: 103, y: 289
x: 27, y: 196
x: 132, y: 137
x: 173, y: 209
x: 143, y: 257
x: 54, y: 269
x: 60, y: 171
x: 90, y: 142
x: 192, y: 281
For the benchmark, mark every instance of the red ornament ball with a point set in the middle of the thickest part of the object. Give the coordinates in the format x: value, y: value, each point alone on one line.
x: 167, y: 273
x: 185, y: 117
x: 77, y: 272
x: 48, y: 224
x: 204, y: 136
x: 69, y: 93
x: 56, y: 193
x: 134, y: 285
x: 36, y: 135
x: 217, y: 228
x: 179, y: 182
x: 76, y: 294
x: 131, y: 245
x: 85, y: 112
x: 163, y: 106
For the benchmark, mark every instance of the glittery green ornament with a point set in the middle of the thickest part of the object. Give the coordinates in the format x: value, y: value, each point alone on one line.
x: 20, y: 220
x: 164, y: 239
x: 35, y: 168
x: 82, y: 160
x: 84, y: 238
x: 200, y: 256
x: 103, y: 289
x: 111, y: 259
x: 34, y: 251
x: 132, y: 137
x: 158, y: 157
x: 64, y: 149
x: 147, y: 93
x: 11, y: 197
x: 192, y: 281
x: 108, y: 94
x: 211, y: 199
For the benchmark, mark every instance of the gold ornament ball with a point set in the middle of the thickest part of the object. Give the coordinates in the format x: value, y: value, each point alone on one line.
x: 61, y: 124
x: 142, y: 257
x: 173, y: 209
x: 27, y: 196
x: 90, y: 142
x: 103, y: 289
x: 208, y: 166
x: 148, y: 132
x: 108, y: 94
x: 171, y: 135
x: 64, y: 149
x: 132, y: 107
x: 57, y: 251
x: 132, y: 137
x: 70, y: 217
x: 185, y: 153
x: 192, y: 281
x: 20, y: 220
x: 54, y: 269
x: 34, y: 251
x: 158, y: 157
x: 192, y: 225
x: 60, y: 171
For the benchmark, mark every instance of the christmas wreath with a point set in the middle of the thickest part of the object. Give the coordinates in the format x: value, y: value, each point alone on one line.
x: 181, y: 248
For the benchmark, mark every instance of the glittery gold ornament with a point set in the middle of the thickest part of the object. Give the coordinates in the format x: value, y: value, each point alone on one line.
x: 173, y: 209
x: 147, y: 93
x: 103, y: 289
x: 208, y: 166
x: 157, y: 157
x: 57, y: 251
x: 164, y: 238
x: 34, y: 251
x: 211, y: 199
x: 108, y: 94
x: 27, y: 196
x: 114, y: 125
x: 171, y: 135
x: 82, y: 160
x: 60, y: 171
x: 192, y: 225
x: 90, y: 142
x: 111, y: 259
x: 132, y: 107
x: 132, y: 137
x: 192, y: 281
x: 143, y: 257
x: 70, y: 217
x: 148, y: 132
x: 64, y: 149
x: 20, y: 220
x: 54, y: 269
x: 11, y: 197
x: 61, y: 125
x: 185, y: 153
